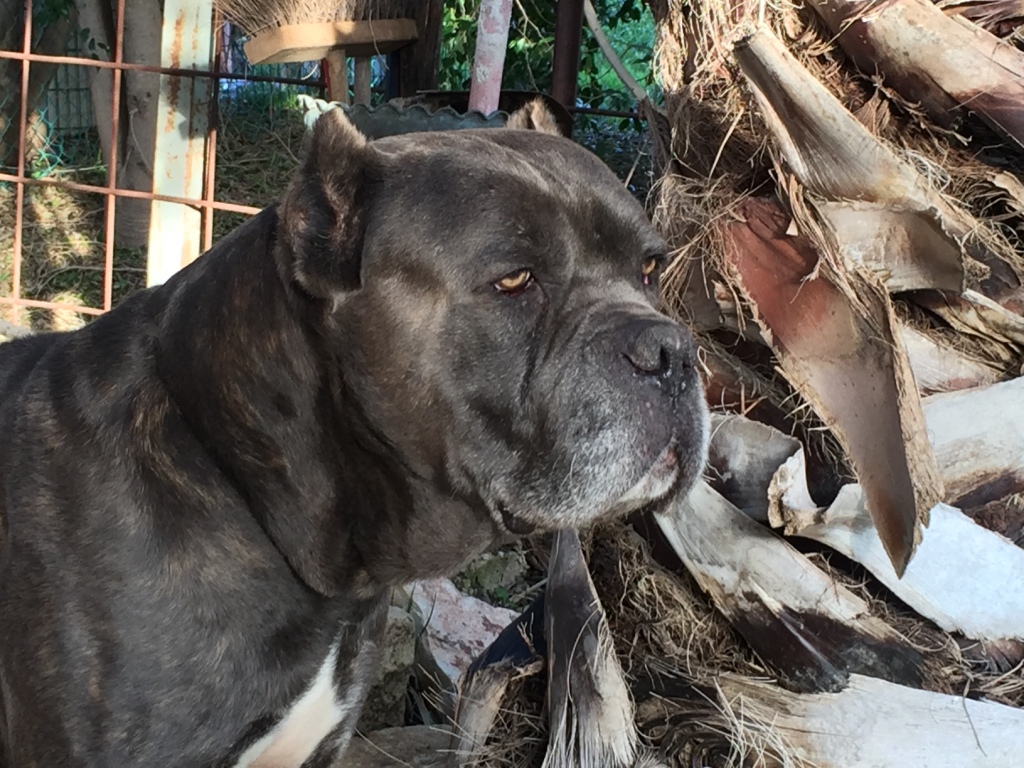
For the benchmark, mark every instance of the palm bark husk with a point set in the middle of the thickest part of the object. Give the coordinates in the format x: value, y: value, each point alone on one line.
x: 975, y: 70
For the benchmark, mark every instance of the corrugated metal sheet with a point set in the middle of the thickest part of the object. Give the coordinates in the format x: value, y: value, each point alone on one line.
x: 391, y: 120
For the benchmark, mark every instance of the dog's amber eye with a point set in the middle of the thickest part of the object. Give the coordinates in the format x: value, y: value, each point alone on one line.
x: 648, y: 268
x: 514, y: 282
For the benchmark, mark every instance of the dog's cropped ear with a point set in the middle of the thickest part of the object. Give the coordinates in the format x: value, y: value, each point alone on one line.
x: 320, y: 215
x: 535, y: 116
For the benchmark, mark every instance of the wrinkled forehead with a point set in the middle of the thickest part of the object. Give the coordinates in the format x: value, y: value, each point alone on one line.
x: 496, y: 191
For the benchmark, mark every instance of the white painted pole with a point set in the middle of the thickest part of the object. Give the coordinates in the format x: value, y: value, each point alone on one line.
x: 175, y: 230
x: 489, y: 60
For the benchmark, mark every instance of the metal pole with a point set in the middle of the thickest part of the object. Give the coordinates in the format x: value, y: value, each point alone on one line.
x: 19, y: 191
x: 115, y: 112
x: 489, y: 59
x: 566, y: 63
x: 213, y: 124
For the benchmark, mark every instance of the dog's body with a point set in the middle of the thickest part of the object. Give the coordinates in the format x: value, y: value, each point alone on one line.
x: 206, y: 494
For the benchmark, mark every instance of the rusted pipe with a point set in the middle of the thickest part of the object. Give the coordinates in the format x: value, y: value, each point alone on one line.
x: 19, y: 191
x: 212, y: 120
x: 139, y: 195
x: 128, y: 66
x: 489, y: 59
x: 115, y: 102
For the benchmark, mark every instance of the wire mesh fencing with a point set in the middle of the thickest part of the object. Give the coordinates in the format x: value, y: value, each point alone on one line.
x: 63, y: 190
x: 69, y: 247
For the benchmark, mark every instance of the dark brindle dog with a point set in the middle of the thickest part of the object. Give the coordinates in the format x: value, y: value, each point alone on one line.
x: 434, y: 343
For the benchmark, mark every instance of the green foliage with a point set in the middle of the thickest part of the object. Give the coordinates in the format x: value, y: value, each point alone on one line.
x: 48, y: 11
x: 630, y: 29
x: 457, y: 36
x: 89, y: 46
x: 263, y: 98
x: 628, y: 24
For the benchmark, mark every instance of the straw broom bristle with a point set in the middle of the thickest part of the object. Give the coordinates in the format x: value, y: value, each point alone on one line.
x: 255, y: 16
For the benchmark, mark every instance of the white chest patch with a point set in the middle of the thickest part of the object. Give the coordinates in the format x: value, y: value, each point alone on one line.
x: 306, y: 723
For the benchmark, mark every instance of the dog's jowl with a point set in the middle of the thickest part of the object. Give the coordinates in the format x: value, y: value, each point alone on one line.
x: 433, y: 344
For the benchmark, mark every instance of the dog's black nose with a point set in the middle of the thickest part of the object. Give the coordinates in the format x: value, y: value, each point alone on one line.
x: 659, y: 347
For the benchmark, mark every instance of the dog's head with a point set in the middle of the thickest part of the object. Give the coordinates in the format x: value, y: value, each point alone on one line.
x: 494, y: 299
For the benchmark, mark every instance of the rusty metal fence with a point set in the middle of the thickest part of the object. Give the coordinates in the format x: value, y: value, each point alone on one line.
x: 23, y: 178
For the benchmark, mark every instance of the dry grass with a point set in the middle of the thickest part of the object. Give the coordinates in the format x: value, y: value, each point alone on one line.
x: 720, y: 155
x: 519, y: 738
x: 671, y: 638
x: 710, y: 728
x: 664, y: 629
x: 656, y: 614
x: 258, y: 149
x: 62, y: 254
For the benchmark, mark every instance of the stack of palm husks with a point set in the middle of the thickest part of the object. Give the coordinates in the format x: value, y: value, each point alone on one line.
x: 843, y: 183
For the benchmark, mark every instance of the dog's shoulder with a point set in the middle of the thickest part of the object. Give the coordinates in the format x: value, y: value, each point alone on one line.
x: 116, y: 350
x: 17, y: 359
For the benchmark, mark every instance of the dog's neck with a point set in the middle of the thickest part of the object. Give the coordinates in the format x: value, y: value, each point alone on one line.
x: 237, y: 340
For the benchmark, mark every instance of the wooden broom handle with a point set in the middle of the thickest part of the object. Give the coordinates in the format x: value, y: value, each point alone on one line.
x: 337, y: 75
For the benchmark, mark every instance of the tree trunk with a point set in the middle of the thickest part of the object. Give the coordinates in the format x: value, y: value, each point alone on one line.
x: 143, y: 20
x: 139, y: 93
x: 97, y: 24
x: 12, y: 15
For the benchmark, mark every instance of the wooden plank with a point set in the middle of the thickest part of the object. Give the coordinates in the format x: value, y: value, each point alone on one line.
x: 337, y: 75
x: 362, y: 82
x: 311, y: 42
x: 175, y: 230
